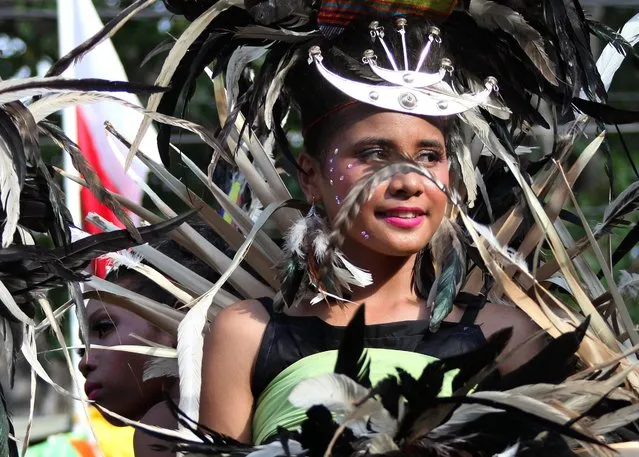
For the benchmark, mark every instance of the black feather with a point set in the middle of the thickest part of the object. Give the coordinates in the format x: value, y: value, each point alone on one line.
x: 7, y: 444
x: 614, y: 38
x: 629, y: 242
x: 606, y: 113
x: 352, y: 359
x: 76, y: 53
x: 552, y: 364
x: 26, y: 269
x: 86, y: 85
x: 472, y: 362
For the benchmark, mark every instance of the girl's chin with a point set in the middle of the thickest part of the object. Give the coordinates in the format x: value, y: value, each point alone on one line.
x: 391, y: 248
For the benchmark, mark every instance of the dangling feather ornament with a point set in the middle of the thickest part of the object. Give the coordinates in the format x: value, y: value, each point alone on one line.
x: 450, y: 259
x: 308, y: 252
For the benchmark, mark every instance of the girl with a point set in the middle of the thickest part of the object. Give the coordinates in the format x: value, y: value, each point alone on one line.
x: 115, y: 379
x: 250, y: 344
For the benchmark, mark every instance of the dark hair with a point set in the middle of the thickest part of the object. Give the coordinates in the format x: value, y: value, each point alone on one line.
x: 315, y: 97
x: 142, y: 285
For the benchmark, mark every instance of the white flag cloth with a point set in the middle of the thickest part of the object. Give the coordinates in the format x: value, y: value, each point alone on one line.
x: 78, y: 21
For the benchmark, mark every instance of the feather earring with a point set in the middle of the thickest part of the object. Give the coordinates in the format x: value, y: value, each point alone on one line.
x: 308, y: 251
x: 292, y: 268
x: 449, y: 256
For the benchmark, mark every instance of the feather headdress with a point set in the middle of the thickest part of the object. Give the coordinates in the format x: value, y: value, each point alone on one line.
x: 538, y: 52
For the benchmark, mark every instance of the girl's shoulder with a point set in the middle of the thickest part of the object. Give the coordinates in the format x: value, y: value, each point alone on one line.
x: 239, y: 326
x: 495, y: 316
x: 242, y: 318
x: 527, y: 337
x: 159, y: 415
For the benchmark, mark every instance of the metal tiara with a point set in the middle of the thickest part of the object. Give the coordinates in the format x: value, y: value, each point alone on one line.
x: 411, y: 91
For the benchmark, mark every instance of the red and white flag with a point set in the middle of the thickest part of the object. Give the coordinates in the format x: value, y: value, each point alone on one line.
x: 78, y: 20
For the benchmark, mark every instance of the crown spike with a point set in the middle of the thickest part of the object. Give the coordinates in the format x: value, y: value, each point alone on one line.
x: 433, y: 36
x: 378, y: 32
x: 400, y: 24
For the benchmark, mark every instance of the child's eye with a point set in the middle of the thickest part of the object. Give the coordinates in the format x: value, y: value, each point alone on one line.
x: 430, y: 156
x: 102, y: 328
x: 372, y: 154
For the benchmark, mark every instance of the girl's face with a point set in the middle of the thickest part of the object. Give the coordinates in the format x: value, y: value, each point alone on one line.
x: 404, y: 212
x: 114, y: 378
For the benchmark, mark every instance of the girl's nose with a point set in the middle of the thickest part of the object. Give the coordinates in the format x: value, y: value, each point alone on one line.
x: 86, y: 366
x: 406, y: 185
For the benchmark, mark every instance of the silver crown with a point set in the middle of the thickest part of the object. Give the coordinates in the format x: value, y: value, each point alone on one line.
x: 411, y: 91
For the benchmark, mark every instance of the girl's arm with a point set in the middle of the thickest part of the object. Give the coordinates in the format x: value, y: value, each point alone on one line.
x: 230, y: 351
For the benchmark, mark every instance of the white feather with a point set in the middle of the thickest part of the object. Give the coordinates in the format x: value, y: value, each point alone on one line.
x: 337, y: 392
x: 462, y: 416
x: 160, y: 368
x: 629, y: 284
x: 124, y: 258
x: 6, y: 338
x: 7, y: 299
x: 509, y: 451
x: 190, y: 350
x: 505, y: 252
x: 240, y: 58
x: 9, y: 193
x: 295, y: 237
x: 610, y: 60
x: 380, y: 444
x: 468, y: 174
x: 359, y: 277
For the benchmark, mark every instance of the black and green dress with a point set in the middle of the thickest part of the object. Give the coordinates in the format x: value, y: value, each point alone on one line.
x: 294, y: 348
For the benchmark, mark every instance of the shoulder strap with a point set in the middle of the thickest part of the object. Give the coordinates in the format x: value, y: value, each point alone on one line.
x: 469, y: 316
x: 267, y: 303
x: 473, y: 304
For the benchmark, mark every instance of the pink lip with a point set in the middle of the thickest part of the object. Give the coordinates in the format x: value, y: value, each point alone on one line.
x: 402, y: 222
x: 92, y: 390
x: 405, y: 223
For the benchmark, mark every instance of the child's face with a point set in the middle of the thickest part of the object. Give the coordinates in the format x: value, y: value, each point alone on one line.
x: 403, y: 212
x: 114, y: 378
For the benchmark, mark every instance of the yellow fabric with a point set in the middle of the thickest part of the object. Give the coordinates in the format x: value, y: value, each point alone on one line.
x: 273, y: 408
x: 112, y: 441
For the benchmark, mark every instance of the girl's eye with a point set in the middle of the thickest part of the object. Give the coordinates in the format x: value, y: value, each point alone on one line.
x: 372, y: 154
x: 102, y: 328
x: 430, y: 156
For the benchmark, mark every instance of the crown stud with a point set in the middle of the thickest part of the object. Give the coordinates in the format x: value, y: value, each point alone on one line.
x: 400, y: 23
x: 408, y: 100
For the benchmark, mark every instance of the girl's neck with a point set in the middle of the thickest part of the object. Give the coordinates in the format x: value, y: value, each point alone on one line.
x: 392, y: 279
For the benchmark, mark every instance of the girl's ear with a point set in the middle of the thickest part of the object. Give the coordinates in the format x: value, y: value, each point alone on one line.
x: 310, y: 177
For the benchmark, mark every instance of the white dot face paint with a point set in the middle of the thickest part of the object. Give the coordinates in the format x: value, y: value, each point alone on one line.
x: 364, y: 234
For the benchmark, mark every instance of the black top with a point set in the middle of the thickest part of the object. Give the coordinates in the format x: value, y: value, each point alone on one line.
x: 288, y: 339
